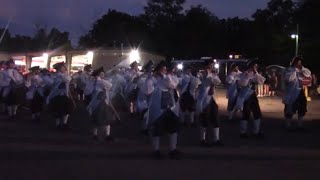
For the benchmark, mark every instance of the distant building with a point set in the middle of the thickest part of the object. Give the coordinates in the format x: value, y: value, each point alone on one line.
x: 77, y: 59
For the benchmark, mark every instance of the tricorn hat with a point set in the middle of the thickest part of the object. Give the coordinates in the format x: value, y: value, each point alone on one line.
x: 234, y: 65
x: 187, y: 67
x: 10, y: 61
x: 134, y: 63
x: 171, y: 65
x: 148, y: 66
x: 87, y: 67
x: 160, y: 65
x: 209, y: 61
x: 44, y: 70
x: 97, y: 71
x: 250, y: 64
x: 58, y: 65
x: 34, y: 68
x: 295, y: 60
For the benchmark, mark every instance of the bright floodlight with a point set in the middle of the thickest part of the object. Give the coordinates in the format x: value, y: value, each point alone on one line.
x: 217, y: 66
x: 230, y: 56
x: 90, y: 55
x: 293, y: 36
x: 45, y: 55
x: 140, y: 68
x: 134, y: 56
x: 215, y: 60
x: 180, y: 66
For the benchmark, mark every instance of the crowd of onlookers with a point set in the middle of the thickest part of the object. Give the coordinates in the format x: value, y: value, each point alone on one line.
x: 273, y: 85
x: 270, y: 86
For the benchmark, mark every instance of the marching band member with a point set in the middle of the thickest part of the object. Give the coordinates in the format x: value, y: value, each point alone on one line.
x: 36, y: 92
x: 3, y: 84
x: 188, y: 86
x: 82, y: 82
x: 232, y: 89
x: 207, y: 107
x: 131, y: 90
x: 171, y: 72
x: 146, y: 87
x: 98, y: 107
x: 142, y: 100
x: 59, y: 100
x: 247, y: 100
x: 163, y: 113
x: 294, y: 99
x: 117, y: 94
x: 47, y: 78
x: 12, y: 92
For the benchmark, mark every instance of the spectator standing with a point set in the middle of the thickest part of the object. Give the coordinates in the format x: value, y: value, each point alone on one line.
x: 273, y: 84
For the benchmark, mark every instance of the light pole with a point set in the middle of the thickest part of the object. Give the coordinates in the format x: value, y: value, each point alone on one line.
x: 296, y: 36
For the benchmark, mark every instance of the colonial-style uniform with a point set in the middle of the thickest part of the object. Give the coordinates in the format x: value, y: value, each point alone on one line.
x: 188, y: 86
x: 48, y: 80
x: 36, y: 92
x: 13, y: 94
x: 145, y: 88
x: 163, y: 113
x: 248, y: 102
x: 117, y: 94
x: 207, y: 108
x: 4, y: 82
x: 98, y: 108
x: 59, y: 100
x: 232, y: 92
x: 294, y: 98
x: 131, y: 89
x: 82, y: 82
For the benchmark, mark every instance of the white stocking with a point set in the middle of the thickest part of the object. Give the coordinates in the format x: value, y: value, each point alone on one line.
x: 202, y: 134
x: 173, y: 141
x: 156, y: 143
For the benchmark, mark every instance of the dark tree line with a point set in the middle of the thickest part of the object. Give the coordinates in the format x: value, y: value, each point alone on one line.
x: 41, y: 41
x: 166, y: 28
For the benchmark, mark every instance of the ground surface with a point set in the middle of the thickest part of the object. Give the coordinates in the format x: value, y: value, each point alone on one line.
x: 33, y: 151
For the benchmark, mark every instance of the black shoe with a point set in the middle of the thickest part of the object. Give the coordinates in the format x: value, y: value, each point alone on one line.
x: 301, y: 130
x: 186, y: 125
x: 145, y: 132
x: 217, y: 144
x: 157, y: 155
x: 289, y: 129
x: 175, y: 154
x: 36, y: 120
x: 95, y: 137
x: 132, y: 115
x: 11, y: 118
x: 259, y: 135
x: 203, y: 143
x: 193, y: 125
x: 65, y: 127
x: 109, y: 139
x: 244, y: 136
x: 118, y: 122
x: 58, y: 127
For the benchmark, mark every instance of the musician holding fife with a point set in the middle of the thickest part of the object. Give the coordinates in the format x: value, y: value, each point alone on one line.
x: 99, y: 107
x: 294, y: 98
x: 59, y: 100
x: 11, y: 92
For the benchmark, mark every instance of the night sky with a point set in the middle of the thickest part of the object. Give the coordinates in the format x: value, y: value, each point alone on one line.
x: 76, y: 16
